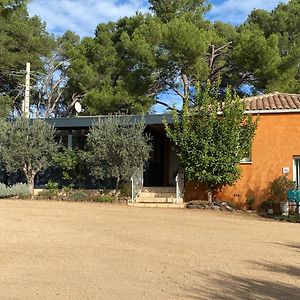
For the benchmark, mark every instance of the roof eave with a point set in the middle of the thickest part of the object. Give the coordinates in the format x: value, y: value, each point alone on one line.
x: 271, y: 111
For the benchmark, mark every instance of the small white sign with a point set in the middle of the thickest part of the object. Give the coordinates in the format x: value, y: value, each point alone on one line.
x: 285, y: 170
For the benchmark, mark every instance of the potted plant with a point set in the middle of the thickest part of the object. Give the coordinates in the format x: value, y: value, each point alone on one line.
x: 278, y: 189
x: 269, y: 205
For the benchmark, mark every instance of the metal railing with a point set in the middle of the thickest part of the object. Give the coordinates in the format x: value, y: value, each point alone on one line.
x: 179, y: 179
x: 137, y: 182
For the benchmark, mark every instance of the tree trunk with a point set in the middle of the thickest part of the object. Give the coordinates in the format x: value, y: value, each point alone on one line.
x: 210, y: 196
x: 117, y: 187
x: 31, y: 184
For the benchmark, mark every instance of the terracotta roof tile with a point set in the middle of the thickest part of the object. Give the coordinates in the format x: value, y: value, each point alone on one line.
x: 274, y: 101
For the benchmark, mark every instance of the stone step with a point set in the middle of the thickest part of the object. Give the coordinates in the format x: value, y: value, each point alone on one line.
x: 156, y: 199
x: 157, y: 195
x: 158, y: 205
x: 159, y: 189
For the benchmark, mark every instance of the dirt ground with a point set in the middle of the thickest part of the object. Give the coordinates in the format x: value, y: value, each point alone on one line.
x: 59, y: 250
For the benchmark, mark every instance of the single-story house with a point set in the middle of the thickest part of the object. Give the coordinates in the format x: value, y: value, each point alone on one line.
x: 275, y: 150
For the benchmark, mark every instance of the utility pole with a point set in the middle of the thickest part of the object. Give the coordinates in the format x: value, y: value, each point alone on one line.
x: 25, y: 103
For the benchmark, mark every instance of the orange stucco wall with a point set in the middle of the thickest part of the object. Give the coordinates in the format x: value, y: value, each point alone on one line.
x: 276, y: 142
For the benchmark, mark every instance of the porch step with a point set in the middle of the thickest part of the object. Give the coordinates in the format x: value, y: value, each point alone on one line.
x: 157, y: 194
x: 162, y: 197
x: 159, y: 189
x: 154, y: 199
x: 158, y: 205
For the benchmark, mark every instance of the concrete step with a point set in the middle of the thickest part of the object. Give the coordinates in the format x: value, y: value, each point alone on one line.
x: 157, y: 194
x: 156, y: 199
x: 159, y: 189
x: 158, y: 205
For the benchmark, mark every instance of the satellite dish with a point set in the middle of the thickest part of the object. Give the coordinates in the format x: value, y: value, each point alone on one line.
x: 78, y: 107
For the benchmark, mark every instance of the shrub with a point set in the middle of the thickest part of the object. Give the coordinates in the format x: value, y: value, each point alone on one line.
x: 279, y: 188
x: 5, y: 191
x: 20, y: 190
x: 48, y: 194
x: 125, y: 189
x: 79, y: 196
x: 250, y: 201
x: 67, y: 189
x: 52, y: 186
x: 104, y: 199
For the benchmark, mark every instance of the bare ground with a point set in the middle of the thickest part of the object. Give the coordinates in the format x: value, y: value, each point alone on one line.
x: 58, y: 250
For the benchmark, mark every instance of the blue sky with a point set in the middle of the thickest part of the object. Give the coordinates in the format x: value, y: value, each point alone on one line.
x: 82, y: 16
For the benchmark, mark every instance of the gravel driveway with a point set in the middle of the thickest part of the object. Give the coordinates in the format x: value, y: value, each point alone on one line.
x: 59, y: 250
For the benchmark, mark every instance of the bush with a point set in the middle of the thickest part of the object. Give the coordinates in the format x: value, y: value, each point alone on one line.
x: 5, y: 191
x: 125, y: 189
x: 279, y: 188
x: 104, y: 199
x: 67, y: 189
x: 20, y: 190
x: 47, y: 194
x: 250, y: 201
x: 79, y: 196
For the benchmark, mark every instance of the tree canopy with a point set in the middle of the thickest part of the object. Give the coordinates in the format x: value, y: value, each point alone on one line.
x: 27, y: 147
x: 212, y: 138
x: 22, y: 39
x: 117, y: 148
x: 129, y: 63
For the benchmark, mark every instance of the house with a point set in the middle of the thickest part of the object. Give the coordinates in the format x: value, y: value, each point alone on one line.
x: 275, y: 150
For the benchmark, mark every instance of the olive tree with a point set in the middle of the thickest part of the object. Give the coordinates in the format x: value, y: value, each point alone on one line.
x: 117, y: 148
x: 27, y: 146
x: 212, y: 138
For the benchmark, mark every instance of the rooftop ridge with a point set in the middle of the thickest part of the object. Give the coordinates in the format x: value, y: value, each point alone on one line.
x: 269, y: 95
x: 275, y: 101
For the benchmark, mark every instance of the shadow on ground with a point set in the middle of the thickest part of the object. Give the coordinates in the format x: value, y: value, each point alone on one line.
x: 230, y: 286
x: 293, y: 246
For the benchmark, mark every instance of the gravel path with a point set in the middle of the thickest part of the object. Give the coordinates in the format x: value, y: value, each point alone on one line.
x: 58, y: 250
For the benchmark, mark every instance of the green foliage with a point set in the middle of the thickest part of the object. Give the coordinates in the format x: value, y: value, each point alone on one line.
x: 125, y: 189
x: 52, y: 186
x: 103, y: 199
x: 167, y: 10
x: 130, y: 62
x: 20, y: 189
x: 212, y: 138
x: 284, y: 22
x: 48, y: 194
x: 6, y: 106
x: 22, y: 39
x: 279, y: 188
x: 117, y: 148
x: 27, y: 147
x: 5, y: 191
x: 67, y: 189
x: 250, y: 202
x: 71, y: 163
x: 101, y: 72
x: 79, y: 196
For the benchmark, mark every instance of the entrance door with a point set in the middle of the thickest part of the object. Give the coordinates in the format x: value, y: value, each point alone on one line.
x: 154, y: 168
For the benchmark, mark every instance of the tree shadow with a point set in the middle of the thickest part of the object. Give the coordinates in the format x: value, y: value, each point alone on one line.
x: 230, y: 286
x: 295, y: 246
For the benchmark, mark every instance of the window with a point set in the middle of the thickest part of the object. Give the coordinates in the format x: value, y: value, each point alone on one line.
x: 296, y: 171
